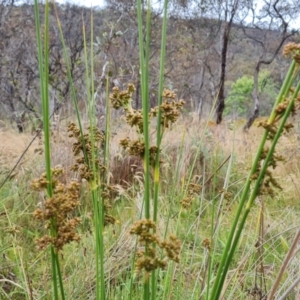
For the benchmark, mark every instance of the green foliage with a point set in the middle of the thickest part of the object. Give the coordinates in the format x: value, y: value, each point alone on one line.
x: 239, y: 100
x: 239, y: 97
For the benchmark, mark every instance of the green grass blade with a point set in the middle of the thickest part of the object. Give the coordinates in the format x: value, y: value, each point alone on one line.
x: 144, y: 70
x: 43, y: 61
x: 159, y: 132
x: 70, y: 79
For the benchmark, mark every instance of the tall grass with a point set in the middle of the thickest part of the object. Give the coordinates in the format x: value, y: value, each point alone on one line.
x: 265, y: 156
x: 144, y: 70
x: 43, y: 58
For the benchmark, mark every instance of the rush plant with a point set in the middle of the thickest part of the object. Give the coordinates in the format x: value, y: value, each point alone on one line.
x: 260, y: 179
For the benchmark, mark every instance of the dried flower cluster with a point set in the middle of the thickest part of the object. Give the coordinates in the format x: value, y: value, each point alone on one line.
x: 170, y: 111
x: 83, y: 163
x: 137, y: 148
x: 56, y: 211
x: 107, y: 194
x: 193, y: 191
x: 296, y: 104
x: 135, y: 118
x: 272, y: 127
x: 206, y: 244
x: 122, y: 98
x: 148, y: 258
x: 292, y: 49
x: 269, y: 182
x: 170, y: 108
x: 82, y: 149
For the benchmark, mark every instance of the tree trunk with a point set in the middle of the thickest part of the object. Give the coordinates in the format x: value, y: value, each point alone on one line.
x: 225, y: 40
x: 255, y: 96
x: 200, y: 102
x: 268, y: 55
x: 254, y: 115
x: 221, y: 92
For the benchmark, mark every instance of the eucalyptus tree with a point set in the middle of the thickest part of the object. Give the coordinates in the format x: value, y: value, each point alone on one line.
x: 119, y: 49
x: 19, y: 75
x: 225, y: 15
x: 270, y: 26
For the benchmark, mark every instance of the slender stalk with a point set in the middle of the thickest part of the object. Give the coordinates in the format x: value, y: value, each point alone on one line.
x: 159, y: 133
x: 283, y: 266
x: 144, y: 70
x: 145, y: 104
x: 288, y: 81
x: 54, y: 275
x: 107, y: 129
x: 62, y: 292
x: 133, y: 260
x: 69, y: 74
x: 44, y: 82
x: 95, y: 184
x: 172, y: 196
x: 290, y: 289
x: 159, y: 102
x: 91, y: 163
x: 44, y: 76
x: 144, y: 65
x: 210, y: 258
x: 43, y: 62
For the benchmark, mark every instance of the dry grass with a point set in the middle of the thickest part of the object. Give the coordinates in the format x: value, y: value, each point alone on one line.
x: 12, y: 146
x: 280, y: 213
x: 186, y: 134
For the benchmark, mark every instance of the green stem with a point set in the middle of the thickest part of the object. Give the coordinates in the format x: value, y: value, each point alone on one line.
x: 210, y: 260
x: 69, y: 74
x: 62, y: 292
x: 159, y: 102
x: 159, y: 133
x: 107, y: 130
x: 145, y: 104
x: 144, y: 69
x: 99, y: 244
x: 43, y: 62
x: 288, y: 81
x: 54, y: 277
x: 45, y: 98
x: 70, y: 79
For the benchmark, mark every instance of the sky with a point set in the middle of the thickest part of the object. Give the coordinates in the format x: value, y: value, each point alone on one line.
x: 101, y: 3
x: 86, y: 3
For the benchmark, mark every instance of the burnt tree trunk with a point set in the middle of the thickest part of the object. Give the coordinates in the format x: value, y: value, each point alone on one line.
x: 267, y: 56
x: 200, y: 103
x: 221, y: 94
x: 225, y: 40
x: 255, y: 96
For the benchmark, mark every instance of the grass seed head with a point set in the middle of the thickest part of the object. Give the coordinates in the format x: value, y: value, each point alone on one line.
x: 122, y: 98
x: 290, y: 49
x: 148, y: 259
x: 55, y: 212
x: 83, y: 148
